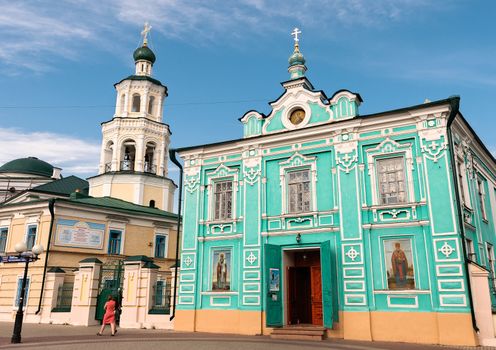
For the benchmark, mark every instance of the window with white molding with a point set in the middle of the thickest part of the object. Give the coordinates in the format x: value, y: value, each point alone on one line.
x: 161, y: 243
x: 223, y: 200
x: 18, y: 292
x: 390, y: 168
x: 482, y: 196
x: 299, y: 194
x: 115, y: 242
x: 31, y: 236
x: 391, y: 180
x: 490, y: 257
x: 298, y: 180
x: 469, y: 245
x: 4, y: 231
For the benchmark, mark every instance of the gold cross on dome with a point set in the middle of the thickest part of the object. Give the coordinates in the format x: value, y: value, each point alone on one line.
x: 145, y: 31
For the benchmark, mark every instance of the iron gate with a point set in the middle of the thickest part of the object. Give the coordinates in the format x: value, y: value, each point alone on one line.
x: 111, y: 279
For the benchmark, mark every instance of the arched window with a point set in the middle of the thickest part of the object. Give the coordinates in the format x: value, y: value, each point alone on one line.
x: 123, y: 103
x: 151, y: 102
x: 152, y: 204
x: 136, y: 103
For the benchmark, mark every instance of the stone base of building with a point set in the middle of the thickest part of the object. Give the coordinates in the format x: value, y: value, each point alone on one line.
x: 411, y: 327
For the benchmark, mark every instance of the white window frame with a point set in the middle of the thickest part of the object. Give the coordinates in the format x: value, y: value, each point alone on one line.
x: 28, y: 225
x: 481, y: 195
x: 295, y: 163
x: 401, y: 160
x: 222, y: 173
x: 289, y: 183
x: 462, y: 182
x: 6, y: 238
x: 28, y: 287
x: 166, y: 248
x: 222, y: 205
x: 391, y: 149
x: 471, y: 253
x: 491, y: 262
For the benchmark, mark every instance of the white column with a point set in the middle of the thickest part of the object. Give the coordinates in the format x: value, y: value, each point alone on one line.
x: 140, y: 153
x: 116, y: 151
x: 144, y: 104
x: 101, y: 168
x: 159, y: 109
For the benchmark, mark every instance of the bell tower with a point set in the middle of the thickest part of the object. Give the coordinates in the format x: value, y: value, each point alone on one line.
x: 135, y: 143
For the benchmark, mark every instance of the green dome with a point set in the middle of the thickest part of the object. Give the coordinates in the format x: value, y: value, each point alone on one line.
x: 144, y: 53
x: 296, y: 58
x: 30, y: 165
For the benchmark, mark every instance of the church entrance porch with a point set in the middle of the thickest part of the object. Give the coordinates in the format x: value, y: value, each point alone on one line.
x: 298, y: 285
x: 304, y: 287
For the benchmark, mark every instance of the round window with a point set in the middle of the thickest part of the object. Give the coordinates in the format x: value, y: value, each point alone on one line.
x: 297, y: 116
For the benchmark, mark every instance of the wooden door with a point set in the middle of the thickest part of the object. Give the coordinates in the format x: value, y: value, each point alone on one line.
x: 300, y: 309
x: 316, y: 290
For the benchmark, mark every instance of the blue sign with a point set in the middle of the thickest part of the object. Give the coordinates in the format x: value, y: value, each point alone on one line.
x: 13, y: 259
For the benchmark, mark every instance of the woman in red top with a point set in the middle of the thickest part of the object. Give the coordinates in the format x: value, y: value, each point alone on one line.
x: 109, y: 317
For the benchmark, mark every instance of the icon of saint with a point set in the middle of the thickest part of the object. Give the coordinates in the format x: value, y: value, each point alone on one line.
x: 400, y: 266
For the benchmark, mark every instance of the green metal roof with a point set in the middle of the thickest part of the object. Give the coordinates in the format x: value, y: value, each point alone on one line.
x: 64, y: 186
x: 29, y: 165
x: 118, y: 204
x: 91, y: 260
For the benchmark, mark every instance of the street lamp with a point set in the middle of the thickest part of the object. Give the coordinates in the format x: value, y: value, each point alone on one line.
x: 27, y: 256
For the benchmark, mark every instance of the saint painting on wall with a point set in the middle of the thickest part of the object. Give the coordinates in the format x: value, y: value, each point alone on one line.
x: 399, y: 264
x: 221, y: 266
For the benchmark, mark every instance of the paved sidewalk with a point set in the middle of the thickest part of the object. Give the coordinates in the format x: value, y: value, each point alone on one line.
x: 58, y: 337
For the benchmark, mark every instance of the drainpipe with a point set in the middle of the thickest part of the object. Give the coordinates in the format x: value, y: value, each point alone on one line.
x: 51, y: 204
x: 455, y: 104
x: 172, y: 156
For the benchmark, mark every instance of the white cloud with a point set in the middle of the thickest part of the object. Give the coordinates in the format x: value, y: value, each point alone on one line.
x: 75, y: 156
x: 33, y: 32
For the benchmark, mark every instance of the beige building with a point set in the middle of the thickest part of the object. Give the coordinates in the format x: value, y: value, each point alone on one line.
x: 74, y: 228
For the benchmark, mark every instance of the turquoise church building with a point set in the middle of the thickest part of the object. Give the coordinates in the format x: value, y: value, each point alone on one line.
x: 370, y: 227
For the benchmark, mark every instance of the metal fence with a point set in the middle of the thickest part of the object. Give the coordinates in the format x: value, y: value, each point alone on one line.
x: 161, y: 297
x: 64, y: 298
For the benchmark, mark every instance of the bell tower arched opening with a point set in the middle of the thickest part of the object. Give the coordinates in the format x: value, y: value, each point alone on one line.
x: 107, y: 157
x: 150, y: 158
x: 128, y: 155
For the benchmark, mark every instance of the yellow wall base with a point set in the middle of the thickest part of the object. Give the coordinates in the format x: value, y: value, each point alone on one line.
x: 410, y: 327
x: 220, y: 321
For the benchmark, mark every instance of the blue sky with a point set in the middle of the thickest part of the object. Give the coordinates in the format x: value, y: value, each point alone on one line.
x: 60, y: 59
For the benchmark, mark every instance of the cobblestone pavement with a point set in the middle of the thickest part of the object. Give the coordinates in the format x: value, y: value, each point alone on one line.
x: 59, y: 337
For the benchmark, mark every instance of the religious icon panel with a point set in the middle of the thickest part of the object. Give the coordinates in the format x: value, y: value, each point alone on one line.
x: 399, y: 264
x: 221, y: 270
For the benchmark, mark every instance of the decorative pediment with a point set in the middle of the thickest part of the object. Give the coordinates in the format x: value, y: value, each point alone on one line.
x: 223, y: 171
